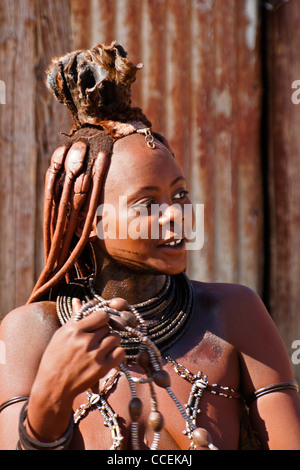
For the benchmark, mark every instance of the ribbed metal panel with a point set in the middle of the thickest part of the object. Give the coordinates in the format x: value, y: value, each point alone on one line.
x: 200, y: 86
x: 284, y: 172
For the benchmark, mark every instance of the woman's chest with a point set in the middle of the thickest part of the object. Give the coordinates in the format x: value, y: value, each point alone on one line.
x: 135, y: 412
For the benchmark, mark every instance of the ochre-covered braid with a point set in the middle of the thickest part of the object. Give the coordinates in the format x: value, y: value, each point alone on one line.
x: 64, y: 216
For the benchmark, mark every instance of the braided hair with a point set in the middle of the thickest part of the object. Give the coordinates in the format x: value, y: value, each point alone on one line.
x: 95, y: 85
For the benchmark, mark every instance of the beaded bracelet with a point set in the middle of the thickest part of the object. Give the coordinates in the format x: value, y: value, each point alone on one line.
x: 26, y: 442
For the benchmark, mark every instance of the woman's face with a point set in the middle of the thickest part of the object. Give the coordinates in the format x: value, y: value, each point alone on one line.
x: 142, y: 222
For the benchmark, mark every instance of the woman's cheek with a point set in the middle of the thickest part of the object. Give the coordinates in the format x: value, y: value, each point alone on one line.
x: 127, y: 225
x: 138, y: 225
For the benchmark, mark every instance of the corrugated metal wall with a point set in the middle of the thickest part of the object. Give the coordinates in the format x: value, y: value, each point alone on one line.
x: 202, y: 87
x: 31, y: 33
x: 283, y: 144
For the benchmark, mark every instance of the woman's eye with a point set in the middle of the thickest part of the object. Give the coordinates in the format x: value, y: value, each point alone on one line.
x: 142, y: 205
x: 181, y: 194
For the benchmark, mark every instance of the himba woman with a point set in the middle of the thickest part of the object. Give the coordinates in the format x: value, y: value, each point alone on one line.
x: 116, y: 347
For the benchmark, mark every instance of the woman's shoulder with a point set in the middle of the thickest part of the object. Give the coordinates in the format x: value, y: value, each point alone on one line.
x: 238, y: 308
x: 244, y: 319
x: 36, y: 318
x: 25, y: 333
x: 224, y: 291
x: 231, y: 299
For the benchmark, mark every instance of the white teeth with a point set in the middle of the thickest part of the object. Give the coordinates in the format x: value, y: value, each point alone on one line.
x: 174, y: 243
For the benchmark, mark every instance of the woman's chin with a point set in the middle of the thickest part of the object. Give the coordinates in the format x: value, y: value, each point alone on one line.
x: 173, y: 268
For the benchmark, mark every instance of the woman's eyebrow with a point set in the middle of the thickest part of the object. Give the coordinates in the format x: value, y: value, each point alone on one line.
x: 179, y: 178
x: 141, y: 192
x: 156, y: 188
x: 148, y: 188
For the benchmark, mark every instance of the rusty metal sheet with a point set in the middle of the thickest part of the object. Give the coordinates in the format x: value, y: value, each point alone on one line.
x: 81, y: 15
x: 31, y: 33
x: 200, y: 86
x: 284, y: 170
x: 17, y: 173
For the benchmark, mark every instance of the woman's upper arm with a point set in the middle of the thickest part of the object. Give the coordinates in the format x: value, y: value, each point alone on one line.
x: 265, y: 362
x: 24, y: 334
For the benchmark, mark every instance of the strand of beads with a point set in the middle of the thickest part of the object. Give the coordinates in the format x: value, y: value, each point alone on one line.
x: 119, y: 322
x: 135, y: 409
x: 149, y: 358
x: 155, y: 421
x: 110, y: 419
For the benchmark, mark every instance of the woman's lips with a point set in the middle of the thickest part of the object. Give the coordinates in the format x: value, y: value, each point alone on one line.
x: 174, y: 243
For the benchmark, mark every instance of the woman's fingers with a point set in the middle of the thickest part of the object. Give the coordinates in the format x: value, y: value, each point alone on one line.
x: 108, y: 344
x: 103, y: 340
x: 100, y: 318
x: 119, y: 304
x: 92, y: 322
x: 115, y: 358
x: 76, y: 306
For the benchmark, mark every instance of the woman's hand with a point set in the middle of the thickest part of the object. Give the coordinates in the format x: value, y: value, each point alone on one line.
x: 78, y: 355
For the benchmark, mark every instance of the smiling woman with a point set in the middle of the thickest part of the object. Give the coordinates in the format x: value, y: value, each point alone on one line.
x: 117, y: 330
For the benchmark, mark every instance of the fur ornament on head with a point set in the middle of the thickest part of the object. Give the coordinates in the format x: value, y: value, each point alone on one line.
x: 96, y: 87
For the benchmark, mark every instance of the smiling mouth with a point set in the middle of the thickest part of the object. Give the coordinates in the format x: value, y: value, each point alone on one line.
x: 173, y: 243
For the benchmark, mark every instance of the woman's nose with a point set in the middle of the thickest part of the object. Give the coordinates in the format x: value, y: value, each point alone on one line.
x: 172, y: 213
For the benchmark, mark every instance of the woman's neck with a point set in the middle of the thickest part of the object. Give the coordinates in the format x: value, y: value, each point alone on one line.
x: 116, y: 280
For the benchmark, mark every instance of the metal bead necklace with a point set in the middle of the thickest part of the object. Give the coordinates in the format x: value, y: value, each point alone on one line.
x: 144, y: 342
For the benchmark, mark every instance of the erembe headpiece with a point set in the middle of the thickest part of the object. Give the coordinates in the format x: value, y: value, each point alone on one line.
x: 96, y: 87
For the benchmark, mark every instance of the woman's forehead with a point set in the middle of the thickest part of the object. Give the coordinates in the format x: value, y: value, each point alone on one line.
x: 136, y: 168
x: 134, y: 163
x: 135, y: 145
